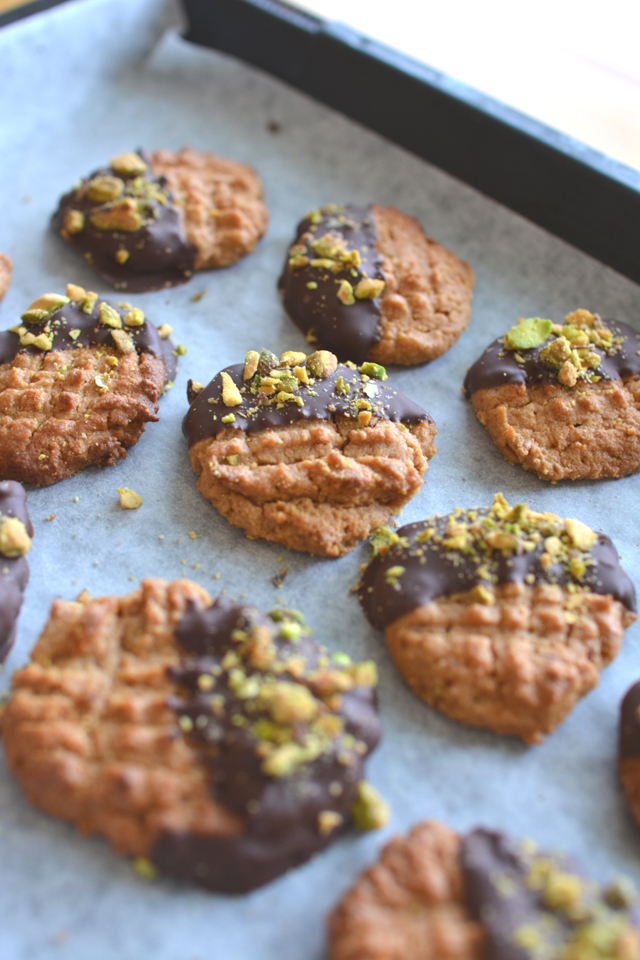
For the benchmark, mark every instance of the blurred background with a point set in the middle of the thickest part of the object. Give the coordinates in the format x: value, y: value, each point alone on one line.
x: 573, y: 65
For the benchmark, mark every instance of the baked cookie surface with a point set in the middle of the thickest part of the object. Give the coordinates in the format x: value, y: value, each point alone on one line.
x: 500, y: 618
x: 222, y: 745
x: 562, y: 400
x: 16, y: 531
x: 6, y: 269
x: 79, y: 379
x: 367, y: 284
x: 434, y: 895
x: 305, y: 451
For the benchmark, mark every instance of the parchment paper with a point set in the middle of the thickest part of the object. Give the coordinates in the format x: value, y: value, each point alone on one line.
x: 91, y: 79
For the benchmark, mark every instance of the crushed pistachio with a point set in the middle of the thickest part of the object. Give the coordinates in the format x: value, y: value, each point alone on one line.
x: 369, y: 811
x: 368, y: 288
x: 73, y: 221
x: 134, y: 318
x: 328, y: 821
x: 123, y: 341
x: 231, y: 396
x: 109, y: 317
x: 165, y: 331
x: 14, y: 539
x: 321, y: 364
x: 128, y: 164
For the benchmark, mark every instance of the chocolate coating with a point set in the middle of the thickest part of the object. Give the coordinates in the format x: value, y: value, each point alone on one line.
x: 349, y: 331
x: 92, y: 333
x: 432, y: 571
x: 280, y: 813
x: 321, y: 402
x: 498, y: 366
x: 629, y: 730
x: 159, y: 253
x: 14, y: 571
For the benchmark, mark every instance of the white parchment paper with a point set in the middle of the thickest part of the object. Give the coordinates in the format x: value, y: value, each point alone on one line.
x: 97, y: 77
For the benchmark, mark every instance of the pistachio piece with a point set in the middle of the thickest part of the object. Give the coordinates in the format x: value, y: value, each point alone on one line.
x: 581, y: 317
x: 42, y: 308
x: 230, y: 394
x: 165, y: 331
x: 128, y: 164
x: 581, y: 536
x: 109, y: 317
x: 14, y: 539
x: 292, y: 358
x: 73, y: 221
x: 250, y: 364
x: 301, y: 374
x: 321, y: 364
x: 345, y: 293
x: 129, y: 499
x: 43, y: 341
x: 134, y: 318
x: 568, y: 374
x: 527, y: 334
x: 123, y: 341
x: 89, y: 302
x: 556, y: 353
x: 122, y: 256
x: 75, y: 293
x: 121, y: 216
x: 369, y: 811
x: 104, y: 188
x: 374, y: 370
x: 292, y: 703
x: 368, y: 288
x: 328, y: 821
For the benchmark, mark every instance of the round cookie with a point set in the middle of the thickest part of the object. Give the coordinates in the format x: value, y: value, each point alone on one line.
x: 305, y: 451
x: 500, y: 618
x: 6, y: 268
x: 79, y: 379
x: 436, y: 895
x: 562, y: 400
x: 147, y: 222
x: 15, y: 542
x: 223, y: 746
x: 367, y: 284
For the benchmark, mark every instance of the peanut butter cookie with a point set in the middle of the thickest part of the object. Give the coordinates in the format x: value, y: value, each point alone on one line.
x: 305, y: 451
x: 436, y: 895
x: 15, y: 542
x: 562, y: 400
x: 79, y: 379
x: 367, y: 284
x: 6, y: 268
x: 147, y: 222
x: 221, y: 746
x: 500, y: 618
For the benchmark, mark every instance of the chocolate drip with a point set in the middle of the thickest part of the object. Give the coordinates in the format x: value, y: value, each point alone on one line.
x: 159, y: 254
x: 498, y: 366
x: 430, y: 571
x: 629, y: 732
x: 320, y: 402
x: 14, y: 571
x: 92, y: 333
x: 349, y: 331
x: 280, y: 812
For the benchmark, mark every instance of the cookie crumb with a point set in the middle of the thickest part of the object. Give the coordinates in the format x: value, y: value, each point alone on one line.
x: 198, y: 296
x: 193, y: 534
x: 278, y: 579
x: 51, y: 516
x: 129, y: 500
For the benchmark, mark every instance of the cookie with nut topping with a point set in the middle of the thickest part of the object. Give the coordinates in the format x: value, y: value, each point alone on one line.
x: 79, y: 379
x: 213, y: 743
x: 367, y: 284
x: 562, y: 399
x: 499, y: 617
x: 436, y: 894
x: 16, y: 532
x: 306, y: 452
x: 147, y: 222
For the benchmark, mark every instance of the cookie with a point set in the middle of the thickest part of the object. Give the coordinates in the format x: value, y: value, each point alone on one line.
x: 6, y: 268
x: 434, y: 895
x: 500, y: 618
x: 15, y: 542
x: 304, y: 451
x: 147, y: 222
x: 79, y: 379
x: 221, y: 745
x: 367, y: 284
x: 562, y: 400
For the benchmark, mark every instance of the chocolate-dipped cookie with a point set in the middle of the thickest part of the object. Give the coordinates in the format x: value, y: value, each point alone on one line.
x: 562, y: 400
x: 147, y: 222
x: 305, y: 451
x: 15, y: 542
x: 221, y: 745
x: 79, y: 379
x: 367, y: 284
x: 502, y: 617
x: 481, y: 896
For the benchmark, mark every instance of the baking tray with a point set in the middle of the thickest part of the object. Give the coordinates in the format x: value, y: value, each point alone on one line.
x: 124, y: 81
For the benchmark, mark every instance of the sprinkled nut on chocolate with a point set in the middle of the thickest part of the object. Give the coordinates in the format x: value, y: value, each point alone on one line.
x: 481, y: 895
x: 243, y: 767
x: 499, y: 617
x: 315, y: 455
x: 15, y: 542
x: 562, y: 400
x: 76, y: 388
x: 365, y: 283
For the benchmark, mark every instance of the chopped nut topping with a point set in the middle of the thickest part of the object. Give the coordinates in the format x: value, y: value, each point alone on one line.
x: 369, y: 811
x: 250, y: 364
x: 14, y: 539
x: 328, y: 821
x: 128, y: 164
x: 44, y: 307
x: 109, y: 317
x: 121, y: 216
x: 345, y: 293
x: 123, y: 341
x: 73, y: 221
x: 165, y: 331
x: 104, y: 188
x: 129, y: 500
x: 321, y: 363
x: 231, y: 396
x: 122, y: 255
x: 368, y: 288
x: 135, y: 318
x: 75, y: 293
